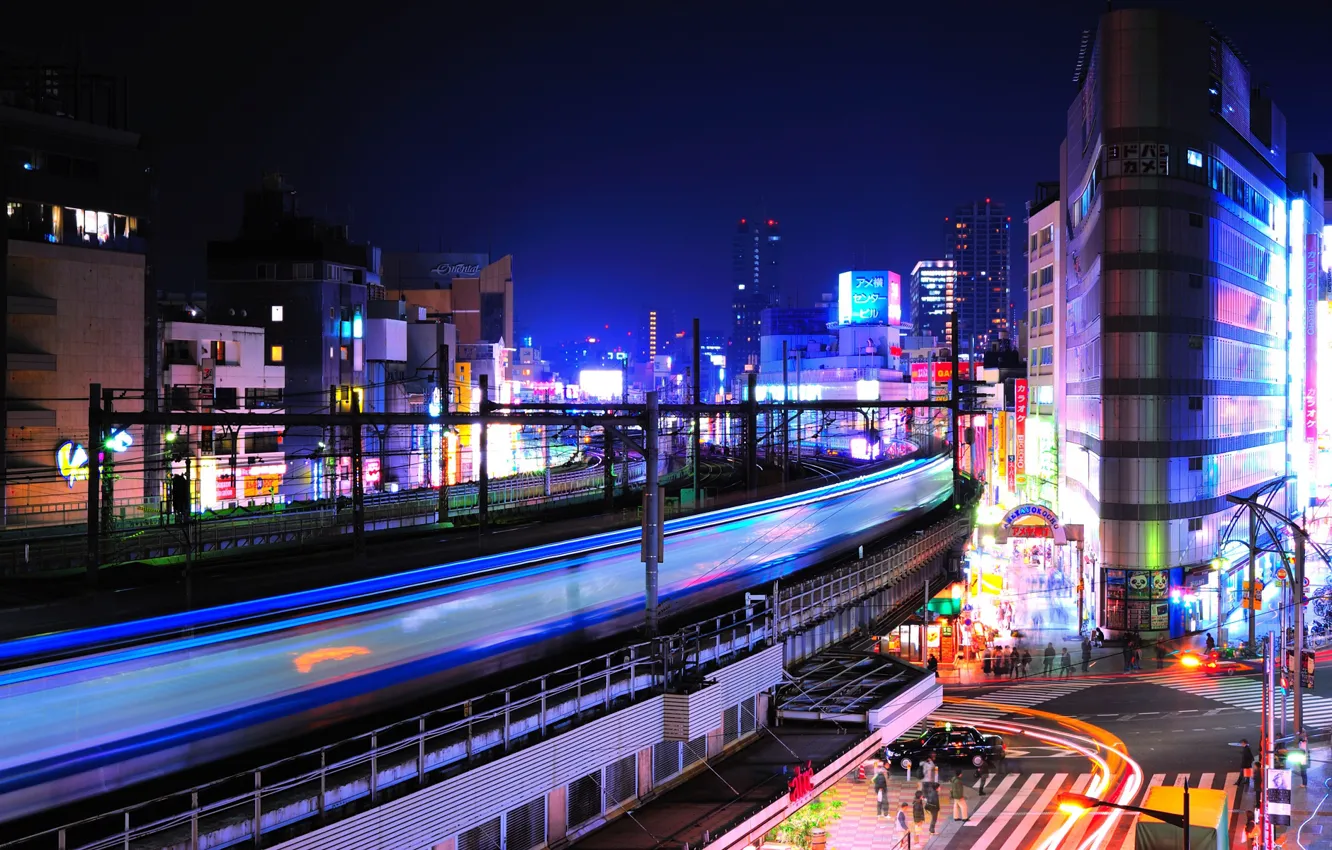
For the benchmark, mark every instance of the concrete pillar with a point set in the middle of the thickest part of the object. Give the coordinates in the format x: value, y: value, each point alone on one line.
x: 644, y: 772
x: 557, y: 814
x: 762, y: 705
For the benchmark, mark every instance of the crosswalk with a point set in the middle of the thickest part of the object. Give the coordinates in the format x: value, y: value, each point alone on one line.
x: 1020, y: 811
x: 1024, y: 695
x: 1243, y: 692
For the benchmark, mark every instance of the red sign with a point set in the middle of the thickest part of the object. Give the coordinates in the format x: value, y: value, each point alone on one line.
x: 226, y: 487
x: 802, y: 784
x: 1020, y: 403
x: 943, y: 371
x: 1030, y: 531
x: 1311, y: 256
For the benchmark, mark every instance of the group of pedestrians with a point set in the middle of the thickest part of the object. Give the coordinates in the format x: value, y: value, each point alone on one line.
x: 925, y: 803
x: 1015, y: 663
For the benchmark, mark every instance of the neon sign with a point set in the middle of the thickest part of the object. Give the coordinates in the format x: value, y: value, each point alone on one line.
x: 1037, y: 511
x: 72, y: 457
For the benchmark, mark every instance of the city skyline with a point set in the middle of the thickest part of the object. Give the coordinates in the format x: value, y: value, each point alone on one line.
x: 613, y: 200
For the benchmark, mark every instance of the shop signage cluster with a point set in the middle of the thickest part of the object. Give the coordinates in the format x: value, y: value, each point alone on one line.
x: 1020, y: 407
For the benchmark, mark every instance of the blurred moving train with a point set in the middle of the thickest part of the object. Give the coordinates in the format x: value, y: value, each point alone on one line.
x: 92, y: 711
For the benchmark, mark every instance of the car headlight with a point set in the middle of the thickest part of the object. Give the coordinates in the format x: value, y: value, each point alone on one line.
x: 889, y: 752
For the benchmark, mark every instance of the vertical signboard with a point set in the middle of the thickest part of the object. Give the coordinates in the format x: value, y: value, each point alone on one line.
x: 1311, y: 263
x: 1020, y: 407
x: 1012, y: 456
x: 895, y: 315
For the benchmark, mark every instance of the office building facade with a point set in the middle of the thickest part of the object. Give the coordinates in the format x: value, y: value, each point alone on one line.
x: 976, y: 239
x: 932, y: 291
x: 1038, y: 476
x: 1182, y: 245
x: 756, y: 250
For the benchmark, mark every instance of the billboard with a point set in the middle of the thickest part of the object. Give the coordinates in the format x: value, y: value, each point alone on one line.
x: 1312, y: 260
x: 865, y: 298
x: 601, y: 384
x: 430, y: 270
x: 1020, y: 390
x: 942, y: 372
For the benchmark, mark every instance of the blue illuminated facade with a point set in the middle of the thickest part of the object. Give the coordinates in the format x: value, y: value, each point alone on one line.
x: 1180, y: 388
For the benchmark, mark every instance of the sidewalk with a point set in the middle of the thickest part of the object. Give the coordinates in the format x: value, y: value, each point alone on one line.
x: 859, y: 828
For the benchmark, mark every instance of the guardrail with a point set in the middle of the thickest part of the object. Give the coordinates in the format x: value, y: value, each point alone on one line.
x: 154, y: 539
x: 303, y: 792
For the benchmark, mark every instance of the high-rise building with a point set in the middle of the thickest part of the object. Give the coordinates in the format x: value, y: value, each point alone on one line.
x: 80, y: 302
x: 756, y: 250
x: 932, y: 289
x: 976, y: 239
x: 1184, y: 270
x: 1038, y: 473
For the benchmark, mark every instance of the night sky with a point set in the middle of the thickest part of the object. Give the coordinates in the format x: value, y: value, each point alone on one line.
x: 611, y: 153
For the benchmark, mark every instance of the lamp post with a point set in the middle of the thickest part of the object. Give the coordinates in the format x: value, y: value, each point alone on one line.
x: 1073, y: 804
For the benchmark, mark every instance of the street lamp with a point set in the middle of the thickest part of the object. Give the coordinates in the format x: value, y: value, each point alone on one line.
x: 1075, y: 804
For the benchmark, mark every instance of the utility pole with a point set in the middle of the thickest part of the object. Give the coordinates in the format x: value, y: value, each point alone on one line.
x: 483, y: 483
x: 751, y: 434
x: 358, y: 480
x: 653, y: 513
x: 1252, y: 595
x: 697, y: 399
x: 445, y: 385
x: 608, y: 458
x: 108, y: 463
x: 786, y: 424
x: 94, y: 482
x: 1297, y: 595
x: 1266, y: 741
x: 954, y: 397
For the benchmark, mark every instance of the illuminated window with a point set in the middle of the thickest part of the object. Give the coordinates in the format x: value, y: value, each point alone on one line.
x: 277, y: 312
x: 1195, y: 159
x: 344, y: 352
x: 275, y: 353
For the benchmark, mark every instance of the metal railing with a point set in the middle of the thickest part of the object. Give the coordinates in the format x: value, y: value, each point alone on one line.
x: 306, y: 791
x: 810, y: 602
x: 156, y: 539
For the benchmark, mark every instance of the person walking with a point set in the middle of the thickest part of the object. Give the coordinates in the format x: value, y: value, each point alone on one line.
x: 957, y: 795
x: 918, y: 811
x: 881, y: 792
x: 929, y: 770
x: 982, y: 773
x: 1066, y: 662
x: 1086, y: 654
x: 1026, y: 663
x: 933, y: 664
x: 1211, y: 644
x: 1128, y: 656
x: 903, y: 826
x: 1246, y: 769
x: 1049, y: 658
x: 1014, y: 662
x: 932, y: 803
x: 1303, y: 743
x: 986, y: 659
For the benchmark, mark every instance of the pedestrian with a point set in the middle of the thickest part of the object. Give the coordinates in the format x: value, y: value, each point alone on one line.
x: 957, y: 794
x: 999, y: 763
x: 1249, y: 832
x: 982, y: 773
x: 986, y: 658
x: 1246, y: 769
x: 1303, y: 743
x: 903, y: 827
x: 932, y: 803
x: 1086, y: 654
x: 1211, y: 644
x: 933, y: 664
x: 1067, y: 669
x: 1049, y: 658
x: 929, y: 770
x: 1128, y: 657
x: 1026, y: 662
x: 1014, y: 661
x: 1098, y: 637
x: 1160, y: 654
x: 881, y: 792
x: 918, y: 811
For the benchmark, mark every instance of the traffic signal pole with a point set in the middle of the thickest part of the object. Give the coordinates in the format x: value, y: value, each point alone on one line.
x: 1297, y: 594
x: 1253, y: 581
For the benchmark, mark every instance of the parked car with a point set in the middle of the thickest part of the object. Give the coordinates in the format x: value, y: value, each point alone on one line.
x: 948, y: 743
